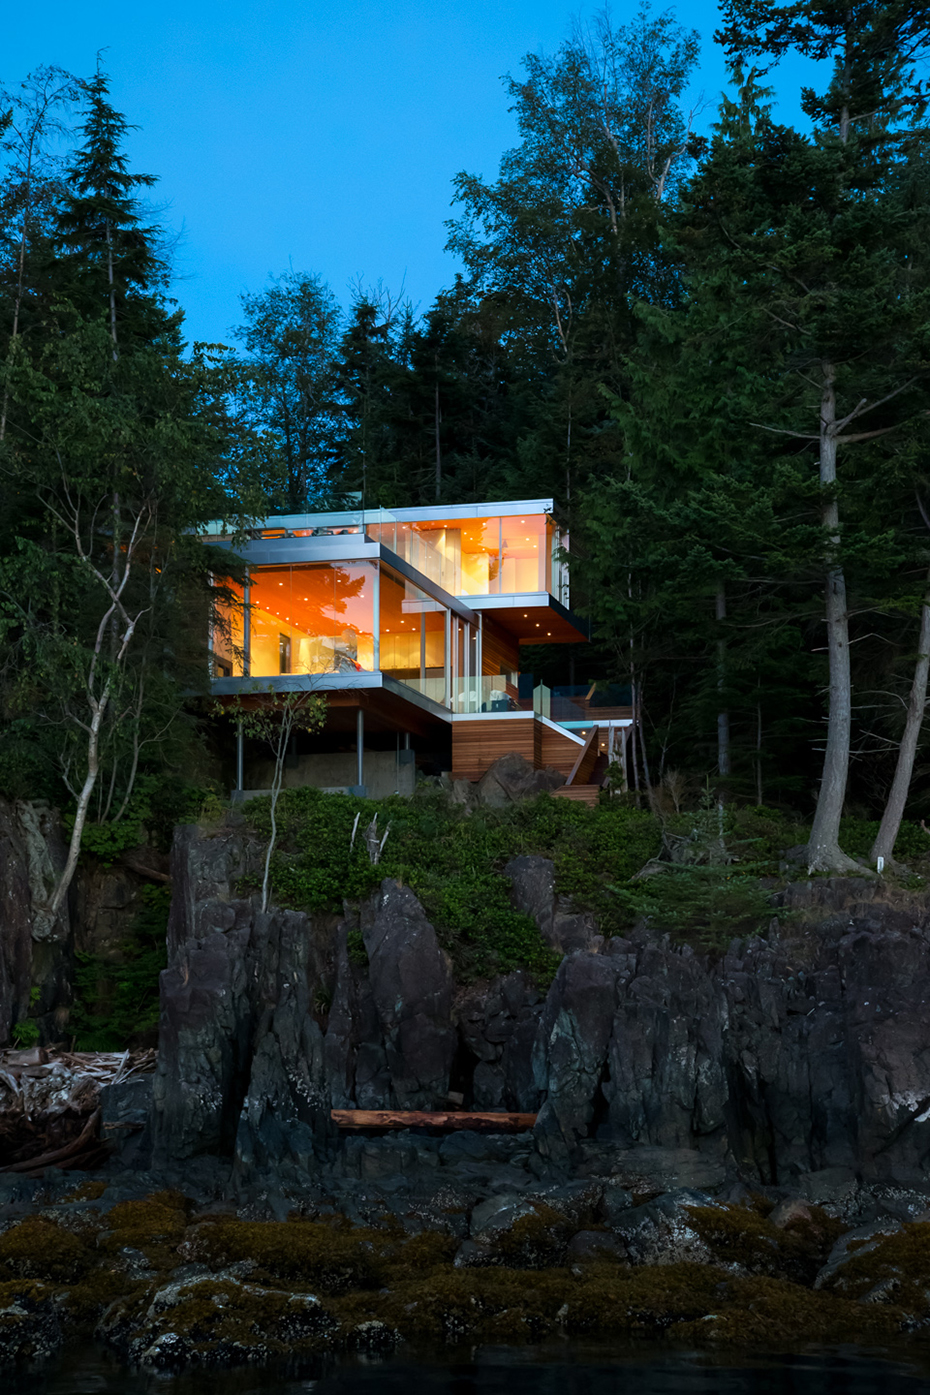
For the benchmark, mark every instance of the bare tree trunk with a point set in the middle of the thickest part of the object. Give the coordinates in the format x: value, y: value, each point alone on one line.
x: 723, y: 717
x: 280, y: 754
x: 634, y: 757
x: 642, y: 738
x: 438, y: 447
x: 823, y: 849
x: 112, y: 292
x: 45, y: 916
x: 897, y: 798
x: 758, y: 752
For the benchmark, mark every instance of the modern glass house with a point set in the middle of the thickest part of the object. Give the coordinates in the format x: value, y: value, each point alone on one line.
x: 412, y: 622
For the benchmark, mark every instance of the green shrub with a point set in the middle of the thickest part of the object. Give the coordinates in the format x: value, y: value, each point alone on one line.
x: 704, y: 906
x: 25, y: 1033
x: 857, y: 836
x: 116, y: 1002
x: 355, y: 948
x: 454, y: 862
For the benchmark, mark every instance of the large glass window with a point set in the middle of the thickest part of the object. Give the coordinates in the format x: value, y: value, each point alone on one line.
x: 524, y: 547
x: 477, y: 556
x: 228, y: 642
x: 312, y: 618
x: 413, y: 636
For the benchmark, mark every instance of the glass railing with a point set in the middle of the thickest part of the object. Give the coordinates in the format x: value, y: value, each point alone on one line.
x: 432, y: 688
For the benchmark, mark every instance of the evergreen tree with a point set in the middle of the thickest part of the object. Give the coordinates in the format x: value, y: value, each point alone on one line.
x: 567, y: 237
x: 108, y: 260
x: 286, y: 385
x: 114, y: 445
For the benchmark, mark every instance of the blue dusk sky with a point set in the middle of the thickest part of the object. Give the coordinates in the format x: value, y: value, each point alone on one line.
x: 322, y: 136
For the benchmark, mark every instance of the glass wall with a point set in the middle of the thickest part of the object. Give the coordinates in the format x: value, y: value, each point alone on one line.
x: 227, y: 638
x: 413, y: 636
x: 477, y: 556
x: 312, y: 618
x: 357, y: 617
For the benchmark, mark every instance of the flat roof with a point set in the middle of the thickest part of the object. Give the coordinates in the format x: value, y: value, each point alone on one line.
x: 505, y: 509
x: 347, y: 518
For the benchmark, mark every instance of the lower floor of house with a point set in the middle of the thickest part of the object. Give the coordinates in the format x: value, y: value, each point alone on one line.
x: 377, y: 742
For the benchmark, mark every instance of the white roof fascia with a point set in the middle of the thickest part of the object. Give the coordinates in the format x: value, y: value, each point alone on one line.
x: 505, y: 509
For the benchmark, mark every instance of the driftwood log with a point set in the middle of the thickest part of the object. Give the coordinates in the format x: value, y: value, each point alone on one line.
x: 49, y: 1106
x: 432, y: 1119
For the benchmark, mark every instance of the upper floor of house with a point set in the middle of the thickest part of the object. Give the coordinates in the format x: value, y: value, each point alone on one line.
x: 437, y: 599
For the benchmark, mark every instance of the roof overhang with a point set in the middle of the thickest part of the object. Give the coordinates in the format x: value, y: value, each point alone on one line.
x: 388, y: 704
x: 533, y: 618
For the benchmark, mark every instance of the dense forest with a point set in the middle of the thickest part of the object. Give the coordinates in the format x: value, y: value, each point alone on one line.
x: 713, y: 352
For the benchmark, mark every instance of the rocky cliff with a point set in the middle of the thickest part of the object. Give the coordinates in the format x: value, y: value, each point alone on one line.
x: 800, y: 1055
x: 38, y: 963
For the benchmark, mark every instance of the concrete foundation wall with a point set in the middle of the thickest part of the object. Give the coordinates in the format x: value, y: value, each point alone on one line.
x: 385, y: 772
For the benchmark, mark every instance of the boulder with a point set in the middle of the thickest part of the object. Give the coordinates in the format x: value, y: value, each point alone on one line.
x: 856, y: 1243
x: 511, y: 779
x: 661, y: 1232
x: 214, y: 1320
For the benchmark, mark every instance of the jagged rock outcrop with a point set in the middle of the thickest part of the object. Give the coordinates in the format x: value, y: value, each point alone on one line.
x: 801, y: 1056
x: 33, y: 954
x: 411, y: 987
x: 564, y: 929
x: 38, y: 958
x: 240, y: 1052
x: 244, y: 1064
x: 497, y: 1025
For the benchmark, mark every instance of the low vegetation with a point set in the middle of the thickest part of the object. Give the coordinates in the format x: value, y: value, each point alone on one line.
x: 719, y: 886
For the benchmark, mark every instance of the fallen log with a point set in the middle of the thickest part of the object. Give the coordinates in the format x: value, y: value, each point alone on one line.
x: 432, y: 1119
x: 62, y: 1157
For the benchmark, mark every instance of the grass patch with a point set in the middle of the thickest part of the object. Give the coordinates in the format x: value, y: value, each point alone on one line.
x: 454, y: 863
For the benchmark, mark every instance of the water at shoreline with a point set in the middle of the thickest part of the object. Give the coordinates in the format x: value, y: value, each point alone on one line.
x: 574, y: 1370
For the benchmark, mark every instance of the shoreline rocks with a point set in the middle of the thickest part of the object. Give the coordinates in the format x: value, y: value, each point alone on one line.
x: 169, y: 1281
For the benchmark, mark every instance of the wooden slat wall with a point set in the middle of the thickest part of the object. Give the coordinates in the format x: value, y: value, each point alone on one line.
x: 558, y: 750
x: 500, y: 652
x: 475, y: 745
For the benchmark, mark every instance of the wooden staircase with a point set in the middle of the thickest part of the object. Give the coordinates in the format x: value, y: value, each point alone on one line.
x: 581, y: 794
x: 575, y: 786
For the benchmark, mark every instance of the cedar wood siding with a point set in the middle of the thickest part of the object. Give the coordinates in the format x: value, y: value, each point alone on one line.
x: 477, y: 744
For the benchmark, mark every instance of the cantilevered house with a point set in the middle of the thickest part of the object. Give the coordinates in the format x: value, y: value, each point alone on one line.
x: 412, y: 622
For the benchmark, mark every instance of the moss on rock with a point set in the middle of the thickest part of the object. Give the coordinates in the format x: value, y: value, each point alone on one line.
x: 894, y: 1270
x: 39, y: 1248
x: 29, y: 1325
x: 742, y: 1235
x: 330, y: 1258
x: 141, y: 1273
x: 215, y: 1321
